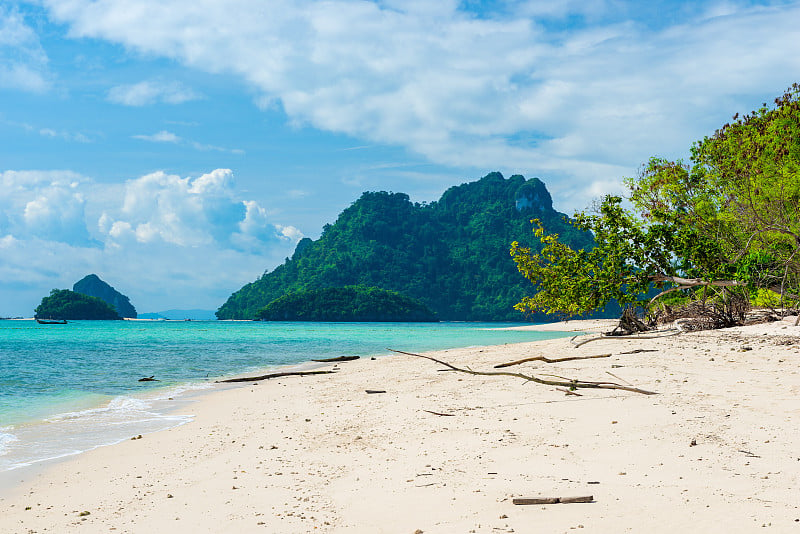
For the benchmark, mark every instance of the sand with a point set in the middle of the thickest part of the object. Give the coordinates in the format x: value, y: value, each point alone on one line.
x: 717, y: 450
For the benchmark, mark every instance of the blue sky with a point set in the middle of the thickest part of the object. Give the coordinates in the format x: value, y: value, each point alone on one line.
x: 179, y: 148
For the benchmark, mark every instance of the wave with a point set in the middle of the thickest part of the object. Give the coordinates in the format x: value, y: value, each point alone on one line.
x: 6, y: 438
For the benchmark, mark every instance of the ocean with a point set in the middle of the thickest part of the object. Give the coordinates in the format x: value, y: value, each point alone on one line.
x: 65, y: 389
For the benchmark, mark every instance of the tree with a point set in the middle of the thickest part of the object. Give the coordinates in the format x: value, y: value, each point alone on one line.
x: 66, y: 304
x: 729, y: 223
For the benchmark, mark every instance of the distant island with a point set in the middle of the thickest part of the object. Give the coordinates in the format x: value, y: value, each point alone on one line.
x: 93, y: 286
x: 69, y: 305
x: 349, y: 303
x: 452, y: 254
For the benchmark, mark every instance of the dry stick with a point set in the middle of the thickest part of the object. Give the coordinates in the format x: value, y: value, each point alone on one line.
x: 667, y: 333
x: 554, y: 500
x: 338, y: 359
x: 583, y: 381
x: 566, y: 382
x: 637, y: 351
x: 568, y: 392
x: 545, y: 359
x: 618, y: 378
x: 275, y: 375
x: 439, y: 413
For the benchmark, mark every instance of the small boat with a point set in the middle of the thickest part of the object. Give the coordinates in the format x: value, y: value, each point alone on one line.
x: 51, y: 321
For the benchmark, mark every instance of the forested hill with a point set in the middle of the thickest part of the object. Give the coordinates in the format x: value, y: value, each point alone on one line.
x: 452, y: 254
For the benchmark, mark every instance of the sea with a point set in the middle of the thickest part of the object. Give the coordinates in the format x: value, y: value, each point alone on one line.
x: 66, y: 389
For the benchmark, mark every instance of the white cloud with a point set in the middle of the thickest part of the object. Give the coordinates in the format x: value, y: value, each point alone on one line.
x: 168, y: 137
x: 163, y: 237
x: 500, y: 91
x: 49, y: 205
x: 192, y: 212
x: 150, y: 92
x: 67, y: 136
x: 160, y: 137
x: 23, y: 62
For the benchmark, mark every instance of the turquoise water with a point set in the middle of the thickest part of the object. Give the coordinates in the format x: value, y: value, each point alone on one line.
x: 68, y: 388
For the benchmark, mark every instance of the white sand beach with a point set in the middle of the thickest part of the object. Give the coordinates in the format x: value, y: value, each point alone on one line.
x: 716, y: 450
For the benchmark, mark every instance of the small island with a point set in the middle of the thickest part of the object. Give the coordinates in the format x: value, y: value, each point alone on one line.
x: 92, y: 286
x: 348, y: 303
x: 63, y: 304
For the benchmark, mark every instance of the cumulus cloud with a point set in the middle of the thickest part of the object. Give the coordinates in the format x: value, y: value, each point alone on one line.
x: 159, y: 232
x: 150, y: 92
x: 507, y: 89
x: 23, y: 62
x: 190, y: 212
x: 44, y: 204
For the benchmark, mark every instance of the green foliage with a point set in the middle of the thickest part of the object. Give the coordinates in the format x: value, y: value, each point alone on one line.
x: 731, y: 219
x: 349, y: 303
x: 450, y: 254
x: 93, y: 286
x: 754, y: 165
x: 572, y: 281
x: 66, y: 304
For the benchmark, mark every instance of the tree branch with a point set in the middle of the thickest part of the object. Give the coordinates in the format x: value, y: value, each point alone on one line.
x: 571, y: 384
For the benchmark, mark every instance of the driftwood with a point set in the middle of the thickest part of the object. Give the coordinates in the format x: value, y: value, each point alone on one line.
x: 149, y: 379
x: 439, y: 413
x: 659, y: 333
x: 618, y: 378
x: 545, y: 359
x: 338, y: 359
x: 637, y: 351
x: 375, y: 391
x: 275, y: 375
x: 564, y: 382
x: 554, y: 500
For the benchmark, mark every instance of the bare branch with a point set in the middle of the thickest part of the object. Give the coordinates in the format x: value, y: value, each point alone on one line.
x: 571, y: 384
x: 545, y: 359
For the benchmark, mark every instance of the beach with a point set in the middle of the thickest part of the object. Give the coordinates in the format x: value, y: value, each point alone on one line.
x: 717, y: 449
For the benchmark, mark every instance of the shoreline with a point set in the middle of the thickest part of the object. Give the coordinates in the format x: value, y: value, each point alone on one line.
x: 32, y: 441
x: 320, y: 454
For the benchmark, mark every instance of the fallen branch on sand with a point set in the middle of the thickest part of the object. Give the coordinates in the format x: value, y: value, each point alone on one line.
x: 661, y: 333
x: 564, y: 382
x: 554, y: 500
x: 545, y: 359
x: 275, y: 375
x: 337, y: 359
x: 440, y: 413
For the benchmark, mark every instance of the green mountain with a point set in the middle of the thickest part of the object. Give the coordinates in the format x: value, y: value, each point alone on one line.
x: 93, y: 286
x: 66, y: 304
x: 452, y: 254
x: 349, y: 303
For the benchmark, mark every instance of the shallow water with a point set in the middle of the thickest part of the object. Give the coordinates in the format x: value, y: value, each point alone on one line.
x: 69, y: 388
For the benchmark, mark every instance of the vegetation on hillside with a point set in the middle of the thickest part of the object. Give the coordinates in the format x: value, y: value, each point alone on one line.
x: 66, y: 304
x: 349, y: 303
x: 721, y: 231
x: 93, y: 286
x: 451, y: 254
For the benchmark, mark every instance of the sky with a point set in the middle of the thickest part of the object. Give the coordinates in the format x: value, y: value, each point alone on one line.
x: 180, y: 148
